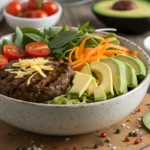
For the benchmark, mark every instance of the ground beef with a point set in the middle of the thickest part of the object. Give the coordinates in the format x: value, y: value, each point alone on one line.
x: 40, y: 89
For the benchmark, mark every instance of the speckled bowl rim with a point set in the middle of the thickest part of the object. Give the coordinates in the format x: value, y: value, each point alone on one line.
x: 147, y: 79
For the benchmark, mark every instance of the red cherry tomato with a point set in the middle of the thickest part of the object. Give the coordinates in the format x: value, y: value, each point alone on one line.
x: 3, y: 60
x: 33, y: 4
x: 50, y: 7
x: 13, y: 52
x: 37, y: 49
x: 27, y: 14
x: 14, y: 8
x: 38, y: 14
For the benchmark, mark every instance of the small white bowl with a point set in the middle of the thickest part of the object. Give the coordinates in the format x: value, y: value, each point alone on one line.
x: 49, y: 21
x: 2, y: 5
x: 147, y: 45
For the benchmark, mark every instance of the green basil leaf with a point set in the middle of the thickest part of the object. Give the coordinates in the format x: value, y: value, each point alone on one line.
x: 116, y: 42
x: 84, y: 26
x: 62, y: 39
x: 35, y: 37
x: 31, y: 30
x: 110, y: 35
x: 7, y: 42
x: 18, y: 37
x: 58, y: 50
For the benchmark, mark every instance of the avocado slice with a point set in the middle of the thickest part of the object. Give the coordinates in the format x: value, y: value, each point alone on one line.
x: 136, y: 63
x: 93, y: 84
x: 107, y: 81
x: 81, y: 82
x: 118, y: 73
x: 105, y: 8
x: 99, y: 94
x: 131, y: 76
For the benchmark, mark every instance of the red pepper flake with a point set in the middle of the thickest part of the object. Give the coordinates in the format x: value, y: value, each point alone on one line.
x: 103, y: 135
x: 139, y: 110
x: 128, y: 120
x: 127, y: 139
x: 74, y: 148
x: 136, y: 141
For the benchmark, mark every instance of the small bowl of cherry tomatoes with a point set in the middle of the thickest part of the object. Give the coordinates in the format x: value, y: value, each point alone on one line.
x: 32, y: 13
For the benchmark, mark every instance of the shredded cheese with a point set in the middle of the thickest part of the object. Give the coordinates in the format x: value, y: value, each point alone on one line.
x: 29, y: 80
x: 30, y: 67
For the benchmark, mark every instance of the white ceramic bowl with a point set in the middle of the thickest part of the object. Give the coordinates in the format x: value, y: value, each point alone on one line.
x: 49, y: 21
x: 2, y: 5
x: 74, y: 119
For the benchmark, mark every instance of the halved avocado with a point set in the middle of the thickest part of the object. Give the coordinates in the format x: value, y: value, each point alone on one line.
x: 106, y: 74
x: 131, y: 21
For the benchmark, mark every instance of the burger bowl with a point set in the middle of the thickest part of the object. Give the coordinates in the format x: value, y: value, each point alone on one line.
x: 52, y: 119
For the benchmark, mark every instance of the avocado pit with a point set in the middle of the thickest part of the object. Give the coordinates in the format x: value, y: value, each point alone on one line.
x: 124, y: 5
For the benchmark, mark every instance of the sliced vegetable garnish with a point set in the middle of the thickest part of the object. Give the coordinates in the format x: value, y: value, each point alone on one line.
x: 3, y: 60
x: 37, y: 49
x: 80, y: 55
x: 13, y: 52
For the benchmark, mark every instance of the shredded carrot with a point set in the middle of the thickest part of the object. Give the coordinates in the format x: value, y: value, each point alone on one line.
x: 81, y: 47
x: 111, y: 39
x: 70, y: 55
x: 113, y: 52
x: 80, y: 55
x: 103, y: 57
x: 76, y: 52
x: 135, y: 53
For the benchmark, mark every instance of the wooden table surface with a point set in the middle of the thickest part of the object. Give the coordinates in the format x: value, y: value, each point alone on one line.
x: 12, y: 138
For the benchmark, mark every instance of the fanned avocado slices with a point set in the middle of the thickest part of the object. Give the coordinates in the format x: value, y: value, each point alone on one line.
x: 119, y: 75
x: 136, y: 63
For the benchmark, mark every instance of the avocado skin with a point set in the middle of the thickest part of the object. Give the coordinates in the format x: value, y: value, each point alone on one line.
x: 126, y: 25
x: 138, y: 65
x: 131, y: 76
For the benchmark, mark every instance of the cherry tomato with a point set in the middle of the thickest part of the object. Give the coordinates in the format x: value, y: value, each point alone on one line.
x: 38, y: 14
x: 13, y: 52
x: 3, y: 60
x: 14, y: 8
x: 27, y: 14
x: 37, y: 49
x: 50, y: 7
x: 33, y: 4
